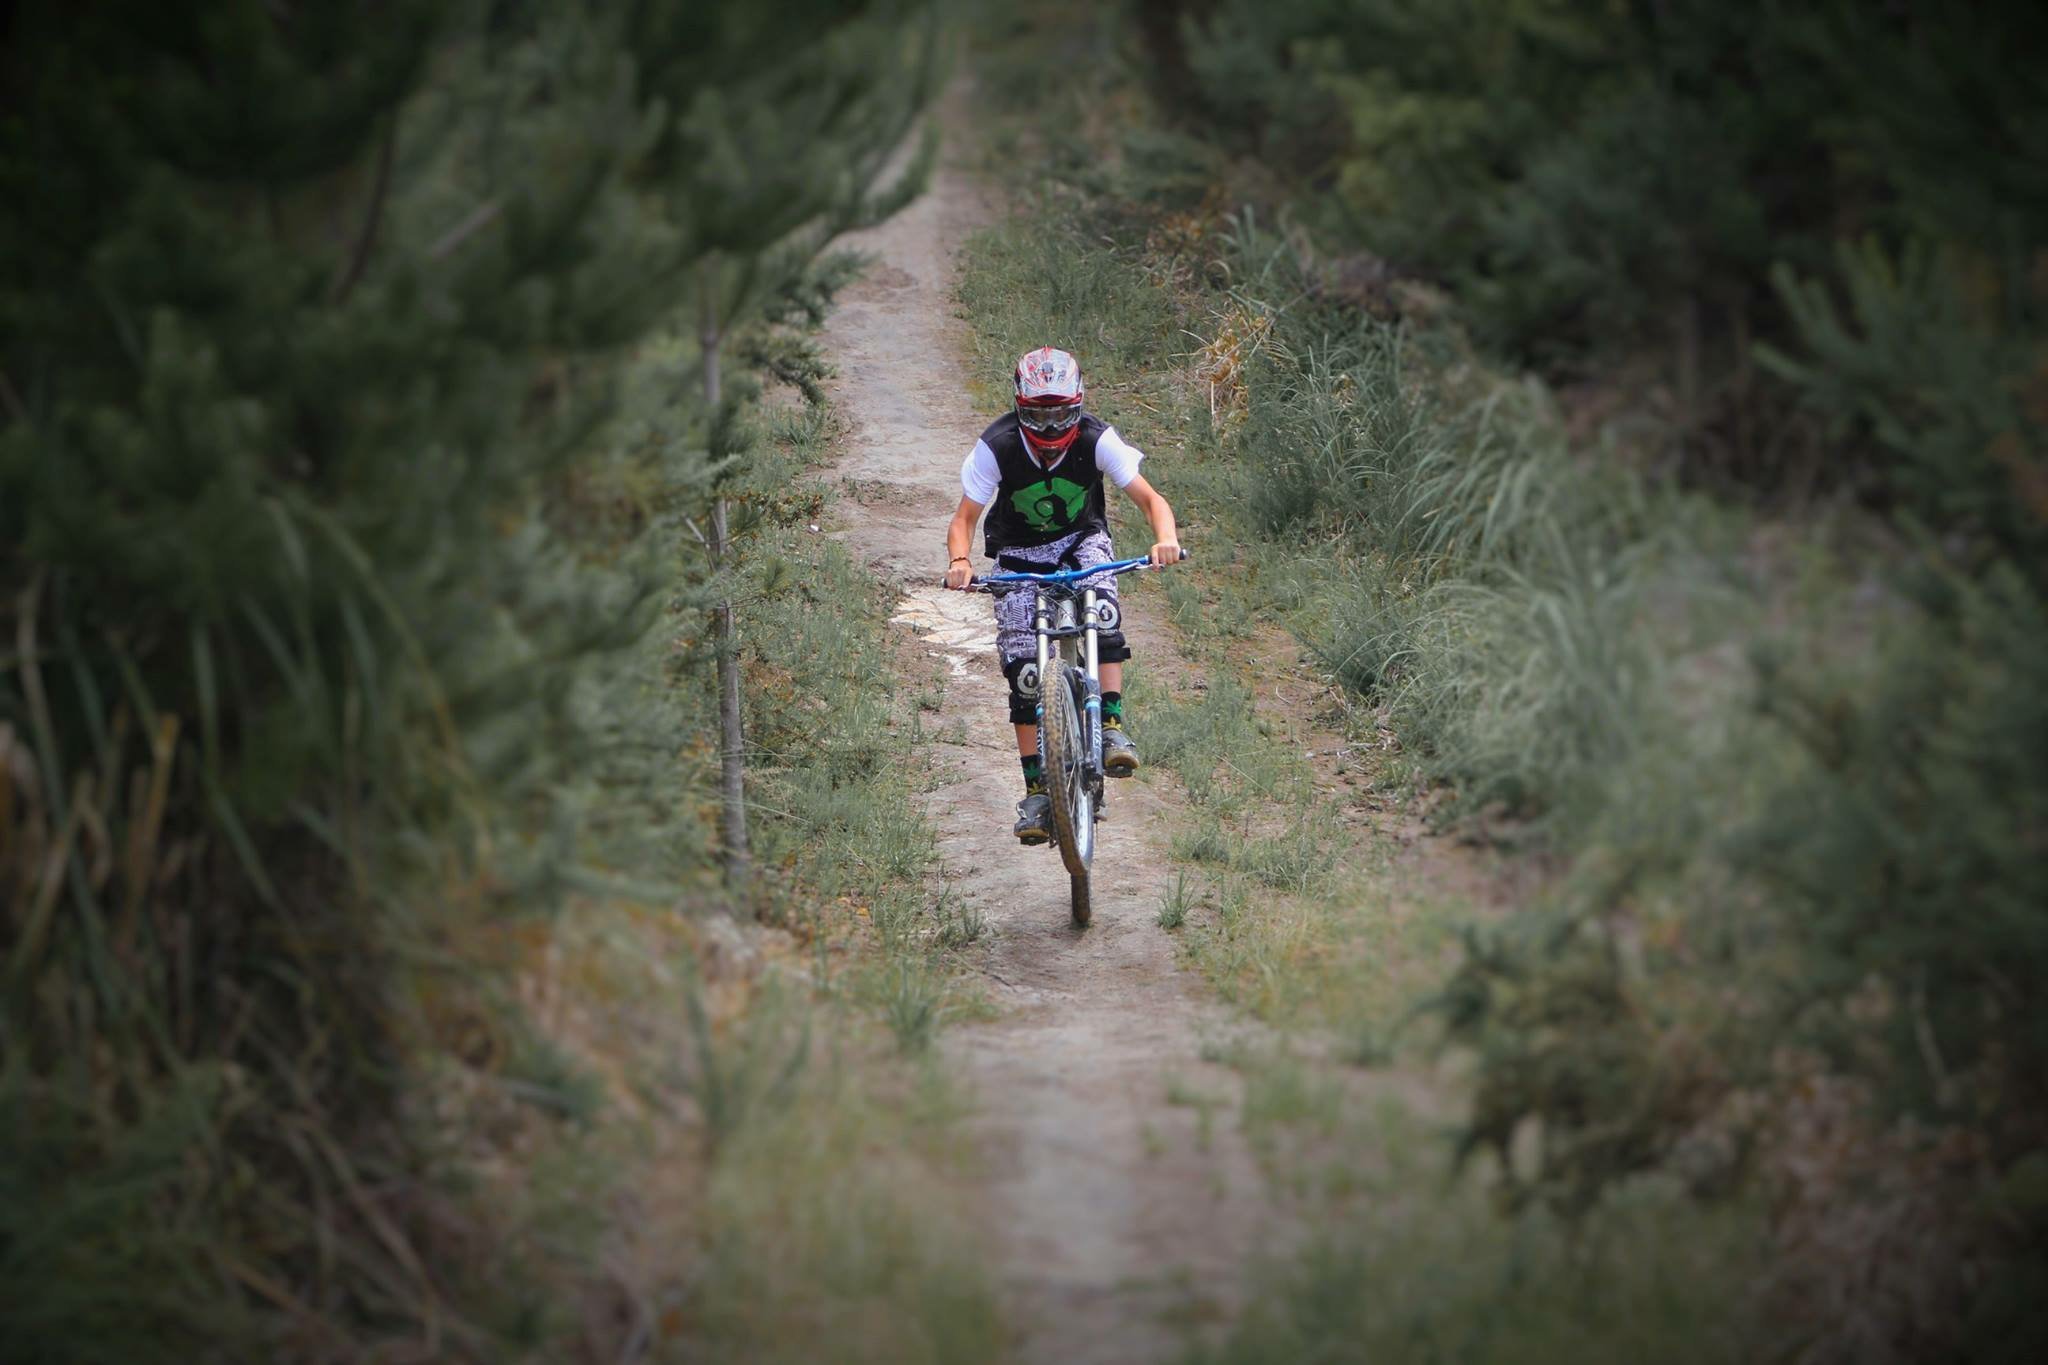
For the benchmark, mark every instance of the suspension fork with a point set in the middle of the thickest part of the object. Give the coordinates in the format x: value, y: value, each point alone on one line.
x: 1091, y: 700
x: 1041, y: 625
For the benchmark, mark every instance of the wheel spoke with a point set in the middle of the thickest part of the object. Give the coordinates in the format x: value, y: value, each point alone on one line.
x: 1073, y: 813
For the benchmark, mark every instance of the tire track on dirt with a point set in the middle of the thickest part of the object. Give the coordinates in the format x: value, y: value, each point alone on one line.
x: 1117, y: 1219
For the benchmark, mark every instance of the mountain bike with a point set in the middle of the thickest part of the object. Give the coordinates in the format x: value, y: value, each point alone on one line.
x: 1066, y: 618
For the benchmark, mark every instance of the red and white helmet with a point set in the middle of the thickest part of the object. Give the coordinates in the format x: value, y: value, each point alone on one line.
x: 1049, y: 394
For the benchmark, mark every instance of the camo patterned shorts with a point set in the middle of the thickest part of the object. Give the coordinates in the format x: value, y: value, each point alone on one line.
x: 1014, y: 638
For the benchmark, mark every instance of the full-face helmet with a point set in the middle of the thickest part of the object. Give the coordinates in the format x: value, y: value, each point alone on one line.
x: 1049, y: 394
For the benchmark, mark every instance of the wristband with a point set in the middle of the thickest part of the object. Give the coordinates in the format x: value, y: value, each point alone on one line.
x: 958, y: 559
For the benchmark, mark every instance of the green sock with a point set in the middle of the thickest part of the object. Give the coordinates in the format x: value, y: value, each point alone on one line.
x: 1112, y: 707
x: 1034, y: 774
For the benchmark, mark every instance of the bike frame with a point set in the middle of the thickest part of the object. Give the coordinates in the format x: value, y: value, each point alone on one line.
x: 1054, y: 618
x: 1070, y: 622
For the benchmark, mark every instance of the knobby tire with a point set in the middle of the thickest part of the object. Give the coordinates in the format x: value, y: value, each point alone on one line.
x: 1073, y: 808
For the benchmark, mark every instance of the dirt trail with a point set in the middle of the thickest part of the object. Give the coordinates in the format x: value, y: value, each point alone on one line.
x: 1116, y: 1218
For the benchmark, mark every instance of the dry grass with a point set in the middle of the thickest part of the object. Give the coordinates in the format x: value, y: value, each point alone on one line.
x: 1238, y: 333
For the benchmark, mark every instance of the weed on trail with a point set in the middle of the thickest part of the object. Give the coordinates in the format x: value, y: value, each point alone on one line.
x: 1173, y: 907
x: 960, y: 925
x: 914, y: 1007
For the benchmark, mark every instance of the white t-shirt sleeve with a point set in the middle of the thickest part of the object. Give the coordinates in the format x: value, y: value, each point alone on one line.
x: 1117, y: 458
x: 979, y: 474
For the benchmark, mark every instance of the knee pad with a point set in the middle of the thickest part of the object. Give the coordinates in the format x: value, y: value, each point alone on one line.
x: 1110, y: 645
x: 1023, y: 677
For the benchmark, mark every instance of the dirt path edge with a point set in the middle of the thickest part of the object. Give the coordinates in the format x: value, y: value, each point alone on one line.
x: 1119, y: 1212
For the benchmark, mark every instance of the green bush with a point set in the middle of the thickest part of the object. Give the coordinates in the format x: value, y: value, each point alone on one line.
x: 1609, y: 187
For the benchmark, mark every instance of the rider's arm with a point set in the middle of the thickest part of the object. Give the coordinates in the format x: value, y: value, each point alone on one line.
x: 1118, y: 459
x: 959, y: 539
x: 979, y: 479
x: 1165, y: 534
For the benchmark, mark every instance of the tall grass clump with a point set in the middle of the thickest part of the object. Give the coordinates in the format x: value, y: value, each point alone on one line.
x: 1509, y: 606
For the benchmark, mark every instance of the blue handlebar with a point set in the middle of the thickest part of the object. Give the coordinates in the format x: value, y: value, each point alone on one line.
x: 1115, y: 566
x: 1065, y: 576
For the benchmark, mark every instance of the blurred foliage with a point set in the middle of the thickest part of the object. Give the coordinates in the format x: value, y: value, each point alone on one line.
x: 1432, y: 1280
x: 1780, y: 772
x: 346, y: 473
x: 1617, y: 182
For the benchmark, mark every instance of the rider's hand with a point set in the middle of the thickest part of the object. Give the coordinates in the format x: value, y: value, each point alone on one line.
x: 958, y: 572
x: 1164, y: 553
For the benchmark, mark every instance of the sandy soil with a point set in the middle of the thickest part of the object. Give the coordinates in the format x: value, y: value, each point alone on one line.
x: 1118, y: 1220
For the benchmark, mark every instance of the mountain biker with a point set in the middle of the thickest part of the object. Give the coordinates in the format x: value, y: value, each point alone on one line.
x: 1039, y: 469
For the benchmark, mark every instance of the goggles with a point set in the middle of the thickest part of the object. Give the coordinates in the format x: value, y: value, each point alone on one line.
x: 1048, y: 419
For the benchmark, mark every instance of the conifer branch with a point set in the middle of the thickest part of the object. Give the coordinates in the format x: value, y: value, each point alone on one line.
x: 481, y: 217
x: 10, y: 397
x: 366, y: 240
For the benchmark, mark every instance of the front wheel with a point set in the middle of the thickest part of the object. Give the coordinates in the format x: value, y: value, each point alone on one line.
x: 1066, y: 782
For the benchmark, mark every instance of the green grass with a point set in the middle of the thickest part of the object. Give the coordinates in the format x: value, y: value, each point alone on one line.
x: 1425, y: 532
x: 1283, y: 1091
x: 1409, y: 1257
x: 791, y: 1160
x: 1173, y: 906
x: 1445, y: 1283
x: 834, y: 1232
x: 1203, y: 616
x: 1255, y: 834
x: 1766, y: 758
x: 916, y: 1005
x: 704, y: 1097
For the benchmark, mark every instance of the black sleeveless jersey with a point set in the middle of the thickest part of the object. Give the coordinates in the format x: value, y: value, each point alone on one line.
x: 1034, y: 505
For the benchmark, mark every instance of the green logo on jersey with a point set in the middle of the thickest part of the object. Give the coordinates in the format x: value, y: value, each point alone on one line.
x: 1049, y: 505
